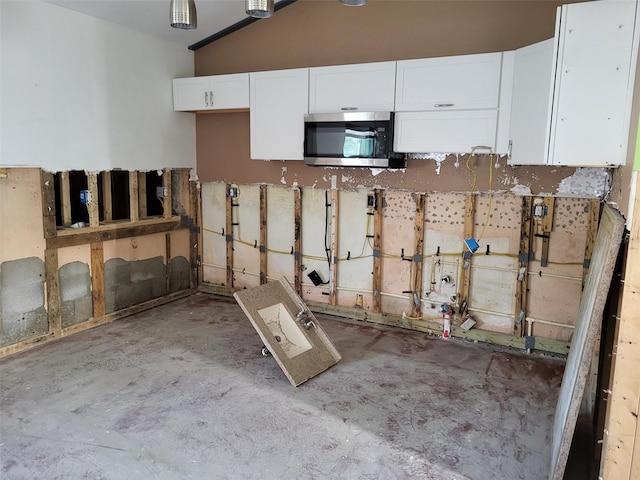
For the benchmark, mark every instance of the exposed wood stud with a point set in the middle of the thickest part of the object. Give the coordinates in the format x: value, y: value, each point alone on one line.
x: 53, y: 290
x: 166, y: 200
x: 196, y: 218
x: 621, y: 447
x: 469, y: 227
x: 333, y: 283
x: 522, y: 281
x: 134, y: 199
x: 195, y: 235
x: 377, y: 252
x: 592, y: 232
x: 97, y: 279
x: 416, y: 276
x: 167, y: 256
x: 263, y: 234
x: 545, y: 227
x: 183, y: 193
x: 229, y: 234
x: 297, y: 240
x: 48, y: 204
x: 142, y: 195
x: 107, y: 201
x: 94, y: 205
x: 65, y: 199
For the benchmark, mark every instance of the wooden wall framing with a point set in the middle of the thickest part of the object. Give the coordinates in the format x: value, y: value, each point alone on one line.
x: 94, y: 236
x: 621, y: 443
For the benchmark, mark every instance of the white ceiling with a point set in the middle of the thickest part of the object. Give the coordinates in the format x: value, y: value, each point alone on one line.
x: 152, y: 16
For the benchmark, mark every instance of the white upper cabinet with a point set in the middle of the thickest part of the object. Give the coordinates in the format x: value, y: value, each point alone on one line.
x: 533, y: 72
x: 593, y: 83
x: 279, y: 101
x: 368, y: 87
x: 453, y: 131
x: 454, y: 104
x: 215, y: 92
x: 461, y: 82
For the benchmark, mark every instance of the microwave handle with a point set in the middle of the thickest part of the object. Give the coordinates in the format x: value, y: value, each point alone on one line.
x: 349, y: 109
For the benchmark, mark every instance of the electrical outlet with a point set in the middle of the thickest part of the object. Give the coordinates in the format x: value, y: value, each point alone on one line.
x: 162, y: 192
x: 233, y: 192
x: 85, y: 196
x: 371, y: 200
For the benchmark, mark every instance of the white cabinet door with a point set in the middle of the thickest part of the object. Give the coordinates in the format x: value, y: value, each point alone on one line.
x: 215, y: 92
x: 449, y: 83
x: 453, y: 131
x: 189, y: 93
x: 229, y: 91
x: 368, y: 87
x: 279, y: 100
x: 530, y: 103
x: 589, y: 119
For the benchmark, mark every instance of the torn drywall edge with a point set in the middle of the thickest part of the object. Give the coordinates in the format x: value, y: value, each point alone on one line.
x: 586, y: 182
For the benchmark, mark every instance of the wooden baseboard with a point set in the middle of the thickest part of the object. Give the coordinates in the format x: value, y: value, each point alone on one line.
x: 93, y: 322
x: 547, y: 345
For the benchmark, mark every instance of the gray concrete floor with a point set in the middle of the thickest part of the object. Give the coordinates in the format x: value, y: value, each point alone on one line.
x: 182, y: 391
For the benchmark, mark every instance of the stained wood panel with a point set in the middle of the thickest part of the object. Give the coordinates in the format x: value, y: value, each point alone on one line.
x: 584, y: 338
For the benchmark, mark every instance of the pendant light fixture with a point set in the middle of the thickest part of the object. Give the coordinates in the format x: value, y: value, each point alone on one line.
x: 259, y: 8
x: 183, y: 14
x: 353, y: 3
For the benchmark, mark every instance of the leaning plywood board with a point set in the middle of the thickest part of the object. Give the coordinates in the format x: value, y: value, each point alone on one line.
x: 289, y: 330
x: 584, y: 339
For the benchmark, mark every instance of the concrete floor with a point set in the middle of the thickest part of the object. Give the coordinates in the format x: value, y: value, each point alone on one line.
x: 182, y: 391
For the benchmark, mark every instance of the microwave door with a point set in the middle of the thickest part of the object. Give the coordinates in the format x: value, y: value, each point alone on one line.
x: 358, y: 144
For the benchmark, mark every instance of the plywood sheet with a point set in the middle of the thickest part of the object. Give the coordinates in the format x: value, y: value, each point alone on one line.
x: 274, y: 309
x: 584, y: 339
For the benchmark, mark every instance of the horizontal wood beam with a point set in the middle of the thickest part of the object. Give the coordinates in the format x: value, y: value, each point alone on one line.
x: 71, y: 238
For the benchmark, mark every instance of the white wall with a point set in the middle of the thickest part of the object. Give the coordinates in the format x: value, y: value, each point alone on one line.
x: 78, y: 93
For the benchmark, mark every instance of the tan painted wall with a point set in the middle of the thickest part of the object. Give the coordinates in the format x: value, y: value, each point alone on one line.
x: 21, y: 230
x: 313, y: 33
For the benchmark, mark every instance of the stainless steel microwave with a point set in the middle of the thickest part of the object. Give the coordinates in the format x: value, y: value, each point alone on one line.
x: 350, y: 139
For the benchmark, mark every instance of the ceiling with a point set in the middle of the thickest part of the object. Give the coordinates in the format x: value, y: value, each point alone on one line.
x: 152, y: 16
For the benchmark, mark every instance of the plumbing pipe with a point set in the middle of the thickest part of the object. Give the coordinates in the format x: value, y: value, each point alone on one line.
x: 532, y: 320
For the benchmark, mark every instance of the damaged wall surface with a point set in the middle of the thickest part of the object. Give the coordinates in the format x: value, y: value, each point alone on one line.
x: 337, y: 242
x: 58, y: 280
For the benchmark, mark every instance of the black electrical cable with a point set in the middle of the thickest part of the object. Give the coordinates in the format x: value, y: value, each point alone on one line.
x: 326, y: 231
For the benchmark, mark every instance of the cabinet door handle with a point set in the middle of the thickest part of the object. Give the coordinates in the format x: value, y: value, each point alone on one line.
x: 211, y: 98
x: 440, y: 105
x: 206, y: 99
x: 349, y: 108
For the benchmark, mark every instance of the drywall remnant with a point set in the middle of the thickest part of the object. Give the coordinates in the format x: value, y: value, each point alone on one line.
x: 282, y: 179
x: 586, y: 182
x: 130, y: 283
x: 22, y: 311
x: 180, y: 274
x: 75, y: 293
x: 521, y: 190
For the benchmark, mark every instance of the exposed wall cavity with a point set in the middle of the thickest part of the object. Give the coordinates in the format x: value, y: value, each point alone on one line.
x: 22, y: 312
x: 75, y: 293
x: 586, y: 182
